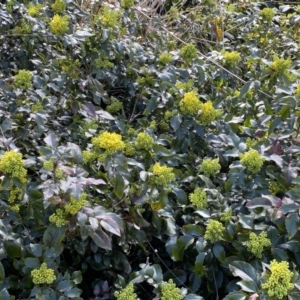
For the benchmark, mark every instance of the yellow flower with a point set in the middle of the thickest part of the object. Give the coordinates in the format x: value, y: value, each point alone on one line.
x: 11, y: 163
x: 279, y: 282
x: 144, y: 141
x: 58, y: 6
x: 280, y: 66
x: 34, y: 10
x: 74, y: 206
x: 198, y: 198
x: 267, y: 14
x: 252, y: 160
x: 208, y: 113
x: 59, y: 218
x: 23, y: 79
x: 127, y: 3
x: 169, y: 291
x: 59, y: 25
x: 162, y: 174
x: 257, y: 243
x: 190, y: 103
x: 214, y: 231
x: 231, y: 58
x: 210, y: 167
x: 127, y: 293
x: 188, y: 53
x: 165, y: 58
x: 109, y: 141
x: 110, y: 17
x: 43, y: 275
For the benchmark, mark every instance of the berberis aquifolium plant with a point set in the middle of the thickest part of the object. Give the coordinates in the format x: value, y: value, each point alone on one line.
x: 149, y: 150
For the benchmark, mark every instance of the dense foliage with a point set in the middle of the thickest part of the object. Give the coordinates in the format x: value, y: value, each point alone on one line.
x: 149, y: 151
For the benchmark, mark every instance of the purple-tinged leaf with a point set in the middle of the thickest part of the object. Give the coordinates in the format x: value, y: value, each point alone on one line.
x: 51, y: 140
x: 111, y: 225
x: 259, y: 202
x: 101, y: 239
x: 89, y: 108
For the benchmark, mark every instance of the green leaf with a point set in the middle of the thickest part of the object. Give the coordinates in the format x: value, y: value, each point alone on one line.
x: 243, y: 270
x: 4, y: 295
x: 64, y: 285
x: 182, y: 243
x: 284, y: 112
x: 32, y: 263
x: 119, y: 186
x: 36, y: 249
x: 12, y: 249
x: 101, y: 239
x: 180, y: 195
x: 110, y: 225
x: 2, y: 274
x: 292, y: 223
x: 247, y: 286
x: 276, y: 122
x: 51, y: 140
x: 199, y: 267
x: 246, y: 87
x: 193, y: 230
x: 53, y: 236
x: 175, y: 121
x: 219, y: 252
x: 235, y: 296
x: 77, y: 277
x: 193, y: 297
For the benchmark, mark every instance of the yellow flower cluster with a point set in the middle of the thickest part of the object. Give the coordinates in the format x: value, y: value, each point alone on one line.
x: 226, y: 216
x: 59, y: 174
x: 188, y: 53
x: 279, y: 282
x: 267, y: 14
x: 280, y: 66
x: 59, y: 218
x: 69, y: 66
x: 34, y: 10
x: 153, y: 125
x: 74, y: 206
x: 186, y: 86
x: 210, y: 166
x: 275, y: 187
x: 49, y: 164
x: 231, y: 58
x: 103, y: 63
x: 11, y: 163
x: 208, y: 113
x: 110, y: 17
x: 297, y: 91
x: 14, y: 196
x: 108, y: 141
x: 169, y: 291
x: 37, y: 106
x: 24, y: 28
x: 165, y: 58
x: 252, y: 160
x: 114, y: 106
x: 86, y: 126
x: 58, y: 6
x: 126, y: 4
x: 129, y: 149
x: 214, y: 231
x: 147, y: 80
x: 127, y: 293
x: 198, y: 198
x: 43, y: 275
x: 88, y: 156
x: 190, y: 103
x: 23, y: 80
x: 144, y: 141
x: 257, y: 243
x: 250, y: 143
x: 59, y: 25
x: 162, y: 174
